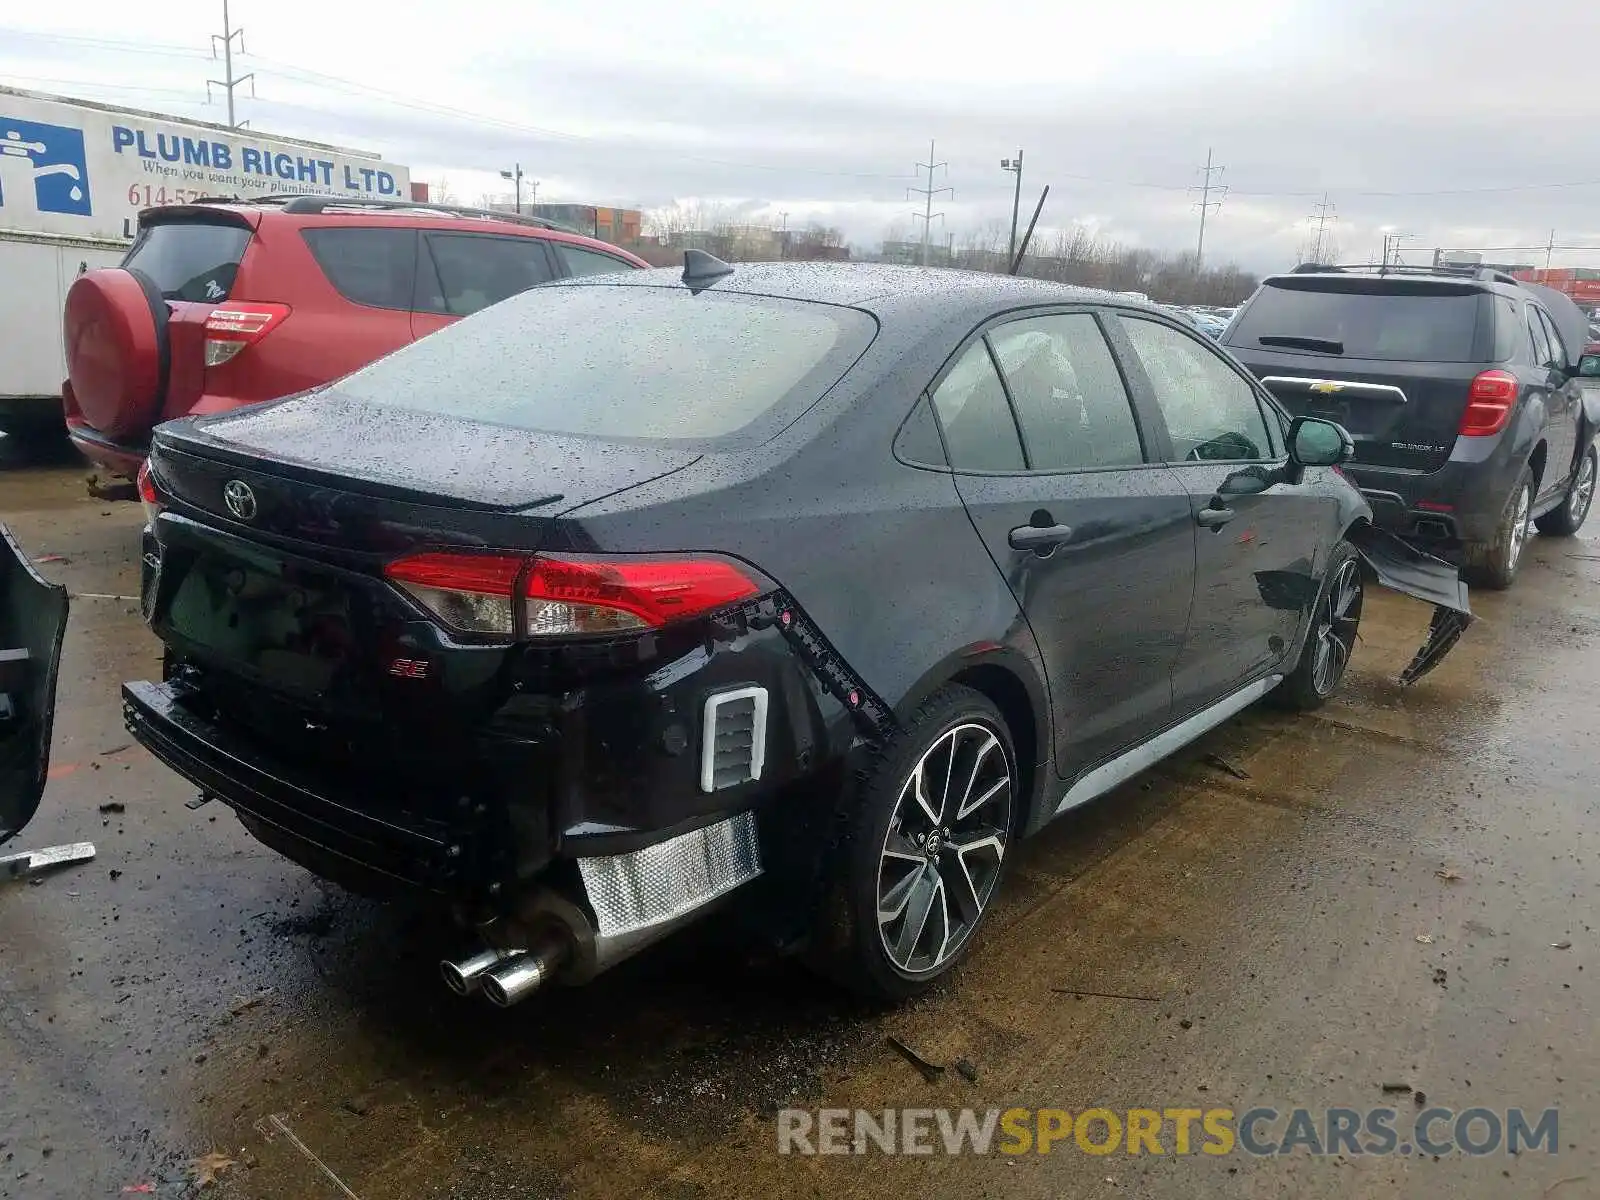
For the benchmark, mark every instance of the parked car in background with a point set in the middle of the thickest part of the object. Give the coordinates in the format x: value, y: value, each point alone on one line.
x: 877, y: 572
x: 1459, y: 387
x: 221, y: 304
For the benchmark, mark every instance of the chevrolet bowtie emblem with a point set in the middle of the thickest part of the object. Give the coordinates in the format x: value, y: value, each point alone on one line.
x: 1327, y: 387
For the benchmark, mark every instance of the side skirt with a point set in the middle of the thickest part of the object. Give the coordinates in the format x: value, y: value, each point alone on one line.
x: 1107, y: 776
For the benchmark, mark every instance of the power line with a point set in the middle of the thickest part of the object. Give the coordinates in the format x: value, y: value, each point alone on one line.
x: 927, y: 214
x: 340, y: 83
x: 228, y: 83
x: 1207, y: 204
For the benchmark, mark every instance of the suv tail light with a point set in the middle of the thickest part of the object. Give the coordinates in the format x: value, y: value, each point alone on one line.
x: 148, y: 496
x: 539, y: 596
x: 1490, y: 400
x: 237, y: 324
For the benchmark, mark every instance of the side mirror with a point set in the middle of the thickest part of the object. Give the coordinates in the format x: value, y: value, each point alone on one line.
x: 1317, y: 443
x: 1589, y: 366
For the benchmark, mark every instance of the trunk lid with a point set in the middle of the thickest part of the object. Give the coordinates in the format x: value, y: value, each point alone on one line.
x: 1390, y: 358
x: 1404, y: 418
x: 267, y: 569
x: 322, y: 466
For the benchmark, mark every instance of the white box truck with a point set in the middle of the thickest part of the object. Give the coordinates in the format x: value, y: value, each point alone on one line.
x: 74, y: 175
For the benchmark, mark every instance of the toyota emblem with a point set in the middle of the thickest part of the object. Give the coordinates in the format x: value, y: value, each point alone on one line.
x: 241, y: 501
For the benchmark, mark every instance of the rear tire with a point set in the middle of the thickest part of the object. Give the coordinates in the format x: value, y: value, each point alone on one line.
x: 1494, y: 564
x: 1330, y: 637
x: 926, y: 849
x: 1568, y: 519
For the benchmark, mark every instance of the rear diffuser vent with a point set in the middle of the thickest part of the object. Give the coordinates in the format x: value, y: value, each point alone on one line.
x: 735, y: 738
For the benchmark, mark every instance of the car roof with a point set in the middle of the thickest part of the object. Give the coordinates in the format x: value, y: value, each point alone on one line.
x: 880, y: 288
x: 332, y: 210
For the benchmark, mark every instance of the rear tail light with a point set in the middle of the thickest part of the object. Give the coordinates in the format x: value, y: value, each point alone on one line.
x: 541, y: 596
x: 234, y: 326
x: 148, y: 496
x: 1490, y: 400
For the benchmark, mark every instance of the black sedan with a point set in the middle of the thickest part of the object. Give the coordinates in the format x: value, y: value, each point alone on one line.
x: 813, y: 587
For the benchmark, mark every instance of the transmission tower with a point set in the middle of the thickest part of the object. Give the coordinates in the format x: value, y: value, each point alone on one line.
x: 228, y: 83
x: 1326, y: 213
x: 1206, y: 204
x: 927, y: 215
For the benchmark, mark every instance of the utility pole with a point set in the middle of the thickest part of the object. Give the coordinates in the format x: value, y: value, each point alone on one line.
x: 1206, y: 205
x: 927, y: 214
x: 783, y: 233
x: 1014, y: 165
x: 515, y: 174
x: 1325, y: 212
x: 228, y: 82
x: 1549, y: 249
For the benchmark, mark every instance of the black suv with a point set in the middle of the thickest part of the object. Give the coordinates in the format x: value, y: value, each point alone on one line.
x: 1459, y: 387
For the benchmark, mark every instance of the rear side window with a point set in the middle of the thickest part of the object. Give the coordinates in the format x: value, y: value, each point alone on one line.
x: 377, y: 267
x: 1402, y: 323
x: 1541, y: 343
x: 579, y: 261
x: 638, y: 363
x: 472, y: 271
x: 1558, y: 350
x: 190, y: 260
x: 978, y: 426
x: 1070, y: 401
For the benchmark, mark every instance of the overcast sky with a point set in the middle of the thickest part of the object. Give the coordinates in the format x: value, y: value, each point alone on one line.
x: 821, y: 109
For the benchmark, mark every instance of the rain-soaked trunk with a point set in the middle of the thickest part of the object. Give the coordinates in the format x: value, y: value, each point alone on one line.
x: 33, y: 621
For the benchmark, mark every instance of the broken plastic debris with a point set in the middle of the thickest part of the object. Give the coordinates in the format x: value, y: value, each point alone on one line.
x: 930, y: 1071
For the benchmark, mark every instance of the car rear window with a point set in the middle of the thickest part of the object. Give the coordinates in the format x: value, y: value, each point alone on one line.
x: 647, y: 363
x: 190, y: 260
x: 1406, y: 321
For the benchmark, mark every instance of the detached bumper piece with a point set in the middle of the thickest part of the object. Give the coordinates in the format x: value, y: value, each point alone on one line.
x: 1401, y: 567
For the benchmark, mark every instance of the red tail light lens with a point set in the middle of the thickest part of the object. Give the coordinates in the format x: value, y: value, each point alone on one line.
x: 148, y: 496
x: 566, y: 597
x: 234, y: 326
x: 1490, y: 400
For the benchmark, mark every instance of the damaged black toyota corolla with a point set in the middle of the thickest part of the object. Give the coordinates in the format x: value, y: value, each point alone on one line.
x: 819, y: 586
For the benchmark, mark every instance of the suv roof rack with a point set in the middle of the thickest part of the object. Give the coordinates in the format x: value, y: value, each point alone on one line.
x: 308, y: 203
x: 1483, y: 274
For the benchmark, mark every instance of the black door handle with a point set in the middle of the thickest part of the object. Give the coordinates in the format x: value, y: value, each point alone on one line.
x: 1214, y: 518
x: 1039, y: 537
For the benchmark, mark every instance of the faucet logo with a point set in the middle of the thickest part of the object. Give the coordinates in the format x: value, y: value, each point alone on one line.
x: 42, y: 169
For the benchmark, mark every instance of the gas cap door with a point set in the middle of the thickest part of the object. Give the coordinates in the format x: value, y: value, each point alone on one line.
x: 33, y: 622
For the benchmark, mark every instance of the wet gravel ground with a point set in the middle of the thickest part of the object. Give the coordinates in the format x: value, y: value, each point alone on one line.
x: 1402, y: 890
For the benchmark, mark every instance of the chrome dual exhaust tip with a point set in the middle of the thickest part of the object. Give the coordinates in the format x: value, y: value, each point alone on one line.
x: 518, y: 977
x: 464, y: 977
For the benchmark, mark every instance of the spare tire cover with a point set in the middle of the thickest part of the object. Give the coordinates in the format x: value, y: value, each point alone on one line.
x: 115, y: 330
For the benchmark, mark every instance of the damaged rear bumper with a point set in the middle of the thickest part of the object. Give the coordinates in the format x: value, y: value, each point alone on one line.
x: 1399, y: 566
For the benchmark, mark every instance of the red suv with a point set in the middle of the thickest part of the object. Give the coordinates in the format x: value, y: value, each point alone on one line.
x: 230, y: 302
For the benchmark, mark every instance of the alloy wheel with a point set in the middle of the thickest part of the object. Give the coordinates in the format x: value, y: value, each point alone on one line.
x: 1338, y: 618
x: 1519, y: 530
x: 943, y: 850
x: 1582, y: 491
